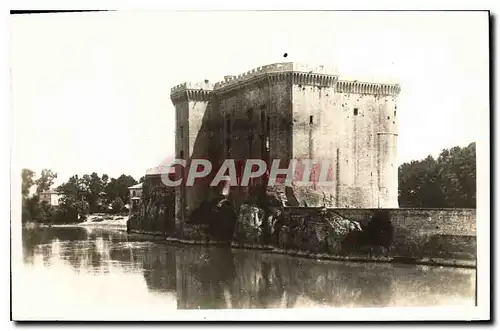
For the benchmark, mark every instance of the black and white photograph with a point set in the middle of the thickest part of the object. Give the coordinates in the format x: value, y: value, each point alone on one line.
x: 250, y: 165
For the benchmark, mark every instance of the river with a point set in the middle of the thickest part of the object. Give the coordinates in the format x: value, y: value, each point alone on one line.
x: 89, y: 273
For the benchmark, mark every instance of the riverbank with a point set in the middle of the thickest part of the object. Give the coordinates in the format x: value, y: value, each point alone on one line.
x: 36, y: 225
x: 119, y: 223
x: 94, y: 220
x: 440, y: 262
x: 106, y: 221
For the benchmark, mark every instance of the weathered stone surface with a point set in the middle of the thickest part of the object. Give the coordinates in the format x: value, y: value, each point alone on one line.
x: 156, y: 211
x: 322, y: 231
x: 197, y: 232
x: 408, y: 233
x: 213, y: 219
x: 249, y: 225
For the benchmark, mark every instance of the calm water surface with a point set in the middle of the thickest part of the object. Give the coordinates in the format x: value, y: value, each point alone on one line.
x: 92, y: 273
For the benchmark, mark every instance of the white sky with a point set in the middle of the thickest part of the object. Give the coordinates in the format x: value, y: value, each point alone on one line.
x: 90, y: 91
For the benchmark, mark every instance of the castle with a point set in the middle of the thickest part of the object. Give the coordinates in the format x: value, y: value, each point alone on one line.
x: 291, y: 111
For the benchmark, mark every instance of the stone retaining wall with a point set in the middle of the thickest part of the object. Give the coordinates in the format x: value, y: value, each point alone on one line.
x: 415, y: 233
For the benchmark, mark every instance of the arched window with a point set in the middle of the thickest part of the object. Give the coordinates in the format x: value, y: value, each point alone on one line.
x: 133, y: 193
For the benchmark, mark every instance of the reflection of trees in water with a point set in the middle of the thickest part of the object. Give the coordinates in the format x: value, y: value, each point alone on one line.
x: 85, y: 250
x: 432, y: 285
x: 203, y: 275
x: 158, y: 264
x: 85, y: 254
x: 353, y: 285
x: 42, y: 238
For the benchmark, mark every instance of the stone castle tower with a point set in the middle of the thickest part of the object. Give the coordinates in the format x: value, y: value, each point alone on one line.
x: 290, y: 111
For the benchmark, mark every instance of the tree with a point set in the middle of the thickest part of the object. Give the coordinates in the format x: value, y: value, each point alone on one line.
x: 82, y: 209
x: 419, y: 184
x: 27, y: 181
x: 446, y: 182
x: 45, y: 181
x: 111, y: 190
x: 31, y: 208
x: 458, y: 175
x: 105, y: 179
x: 72, y: 203
x: 72, y: 190
x: 119, y: 188
x: 124, y: 182
x: 93, y: 187
x: 117, y: 205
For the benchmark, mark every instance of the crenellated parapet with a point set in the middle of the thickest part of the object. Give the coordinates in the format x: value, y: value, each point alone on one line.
x: 192, y: 91
x: 313, y: 79
x: 297, y: 73
x: 343, y: 86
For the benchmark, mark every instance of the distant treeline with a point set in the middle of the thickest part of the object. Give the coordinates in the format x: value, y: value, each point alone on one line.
x: 446, y: 182
x: 79, y: 196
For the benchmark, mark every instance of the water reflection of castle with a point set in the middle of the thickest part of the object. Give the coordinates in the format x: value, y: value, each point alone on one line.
x: 220, y: 278
x: 211, y: 277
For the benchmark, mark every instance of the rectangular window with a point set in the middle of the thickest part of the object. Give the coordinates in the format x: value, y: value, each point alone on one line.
x: 311, y: 119
x: 181, y: 154
x: 228, y: 136
x: 182, y: 131
x: 250, y: 113
x: 250, y: 144
x: 228, y: 126
x: 228, y: 148
x: 262, y: 145
x: 355, y: 111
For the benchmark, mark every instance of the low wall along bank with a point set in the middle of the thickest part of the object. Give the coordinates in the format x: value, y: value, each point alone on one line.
x: 407, y: 233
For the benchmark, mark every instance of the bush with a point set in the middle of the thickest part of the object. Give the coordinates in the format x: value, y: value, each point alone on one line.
x: 117, y: 205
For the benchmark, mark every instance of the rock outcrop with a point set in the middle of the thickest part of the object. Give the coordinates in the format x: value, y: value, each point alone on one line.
x: 156, y: 212
x: 249, y: 225
x: 212, y: 220
x: 324, y: 232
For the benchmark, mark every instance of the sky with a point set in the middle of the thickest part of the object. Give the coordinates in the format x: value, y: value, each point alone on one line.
x: 91, y: 91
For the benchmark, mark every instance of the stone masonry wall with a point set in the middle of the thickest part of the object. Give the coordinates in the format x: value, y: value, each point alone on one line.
x: 413, y: 234
x: 417, y: 233
x: 156, y: 213
x: 357, y: 134
x: 290, y: 111
x: 256, y: 118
